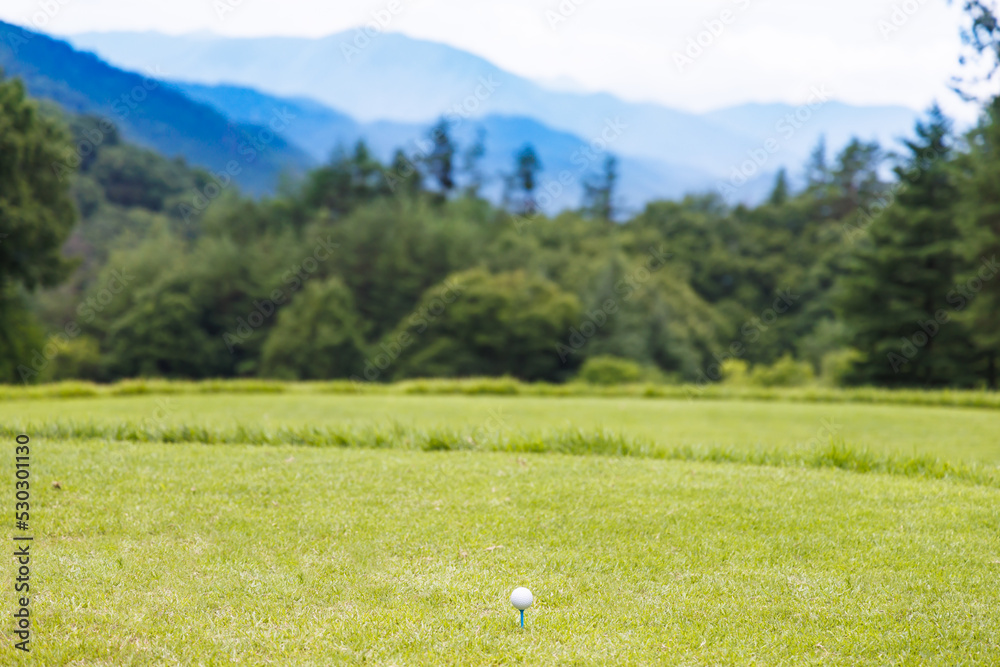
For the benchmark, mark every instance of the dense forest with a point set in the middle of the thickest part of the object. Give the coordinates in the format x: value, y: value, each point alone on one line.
x: 116, y: 262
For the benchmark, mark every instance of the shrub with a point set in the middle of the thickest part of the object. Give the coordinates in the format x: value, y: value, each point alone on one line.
x: 838, y: 365
x: 610, y: 370
x: 785, y: 372
x: 78, y: 359
x: 734, y: 371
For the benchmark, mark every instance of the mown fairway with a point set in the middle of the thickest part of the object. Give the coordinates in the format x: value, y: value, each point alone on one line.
x: 154, y: 553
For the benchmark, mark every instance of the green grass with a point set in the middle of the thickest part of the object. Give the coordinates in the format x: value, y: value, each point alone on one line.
x: 295, y: 526
x: 511, y: 387
x: 187, y: 554
x: 953, y: 434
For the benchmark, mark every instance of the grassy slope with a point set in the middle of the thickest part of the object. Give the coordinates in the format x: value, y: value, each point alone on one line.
x: 955, y: 434
x: 163, y: 554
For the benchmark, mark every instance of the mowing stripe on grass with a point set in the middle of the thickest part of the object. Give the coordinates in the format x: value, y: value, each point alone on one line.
x: 595, y: 442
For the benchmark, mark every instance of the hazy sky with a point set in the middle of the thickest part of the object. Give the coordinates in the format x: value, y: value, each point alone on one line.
x: 864, y: 51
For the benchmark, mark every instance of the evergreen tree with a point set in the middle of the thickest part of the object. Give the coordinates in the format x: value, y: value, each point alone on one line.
x: 404, y: 175
x: 895, y: 296
x: 441, y: 158
x: 349, y: 180
x: 525, y: 178
x: 599, y: 195
x: 855, y: 181
x: 780, y: 191
x: 979, y: 221
x: 817, y: 171
x: 470, y: 165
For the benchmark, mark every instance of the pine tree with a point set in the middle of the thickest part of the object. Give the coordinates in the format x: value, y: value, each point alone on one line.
x: 527, y: 166
x: 979, y: 221
x: 441, y: 158
x: 470, y: 164
x: 817, y: 171
x: 599, y: 194
x: 780, y: 192
x: 896, y: 295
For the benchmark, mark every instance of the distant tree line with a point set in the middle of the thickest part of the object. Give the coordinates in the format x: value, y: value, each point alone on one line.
x: 111, y: 268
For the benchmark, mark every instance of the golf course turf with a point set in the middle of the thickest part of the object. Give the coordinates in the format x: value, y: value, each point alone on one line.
x: 343, y: 552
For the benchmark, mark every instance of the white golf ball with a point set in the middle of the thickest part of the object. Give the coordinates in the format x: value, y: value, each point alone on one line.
x: 521, y: 598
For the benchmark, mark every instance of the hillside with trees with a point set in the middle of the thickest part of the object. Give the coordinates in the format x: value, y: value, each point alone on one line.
x: 119, y: 262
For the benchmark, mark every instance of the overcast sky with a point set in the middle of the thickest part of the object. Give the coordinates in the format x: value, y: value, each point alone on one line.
x: 767, y: 50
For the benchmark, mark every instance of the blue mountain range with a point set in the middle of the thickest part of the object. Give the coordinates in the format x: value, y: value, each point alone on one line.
x: 328, y: 92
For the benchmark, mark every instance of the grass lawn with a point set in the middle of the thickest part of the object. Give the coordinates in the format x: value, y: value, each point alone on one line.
x: 152, y: 553
x: 957, y: 434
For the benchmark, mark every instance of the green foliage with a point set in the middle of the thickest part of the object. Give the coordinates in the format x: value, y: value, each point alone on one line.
x: 441, y: 158
x: 608, y: 370
x: 36, y: 213
x: 977, y: 287
x: 133, y: 177
x: 318, y: 336
x: 349, y: 180
x: 21, y: 339
x: 340, y: 274
x: 896, y: 294
x: 522, y: 183
x: 36, y: 216
x: 599, y: 194
x: 78, y: 358
x: 475, y: 323
x: 390, y: 252
x: 785, y: 372
x: 839, y: 366
x: 735, y: 372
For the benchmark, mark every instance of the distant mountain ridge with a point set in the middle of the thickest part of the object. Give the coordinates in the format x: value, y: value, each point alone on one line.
x: 320, y: 130
x: 401, y: 79
x: 305, y: 99
x: 146, y: 112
